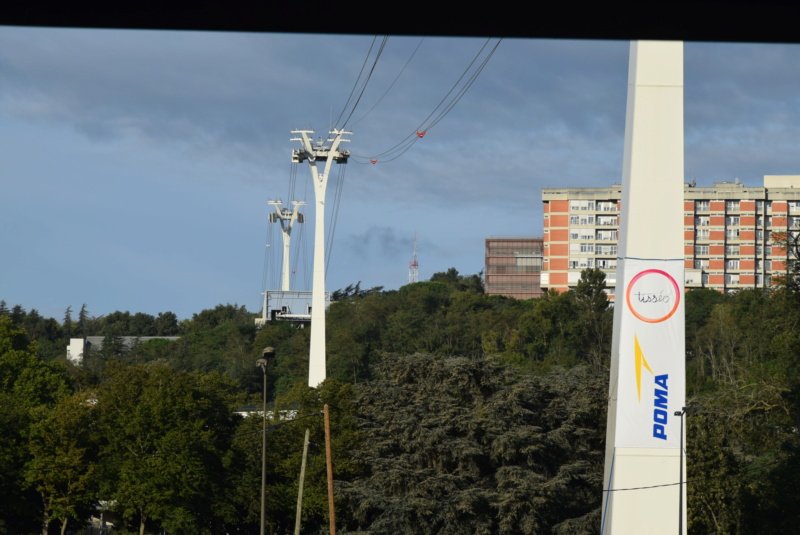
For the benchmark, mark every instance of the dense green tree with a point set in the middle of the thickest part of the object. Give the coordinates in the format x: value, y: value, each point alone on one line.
x: 452, y: 445
x: 590, y: 293
x: 63, y: 460
x: 66, y: 326
x: 165, y: 437
x: 166, y: 324
x: 27, y: 387
x: 458, y: 282
x: 84, y: 320
x: 219, y: 315
x: 299, y: 409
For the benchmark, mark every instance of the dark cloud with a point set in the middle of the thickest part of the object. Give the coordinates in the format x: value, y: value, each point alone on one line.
x: 193, y: 130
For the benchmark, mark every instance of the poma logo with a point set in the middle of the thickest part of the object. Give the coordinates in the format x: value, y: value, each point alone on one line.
x: 660, y: 391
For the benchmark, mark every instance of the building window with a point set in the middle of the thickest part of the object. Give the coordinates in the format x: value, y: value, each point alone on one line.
x: 768, y: 265
x: 732, y: 221
x: 573, y: 235
x: 582, y: 205
x: 700, y: 264
x: 732, y: 206
x: 606, y: 250
x: 732, y: 264
x: 768, y: 250
x: 704, y: 279
x: 759, y: 279
x: 586, y: 220
x: 794, y: 206
x: 606, y: 206
x: 607, y: 221
x: 731, y: 279
x: 794, y: 221
x: 732, y: 233
x: 702, y: 206
x: 606, y: 235
x: 587, y: 248
x: 702, y: 221
x: 731, y: 249
x: 760, y: 235
x: 759, y: 265
x: 701, y: 249
x: 573, y: 220
x: 701, y: 234
x: 769, y: 220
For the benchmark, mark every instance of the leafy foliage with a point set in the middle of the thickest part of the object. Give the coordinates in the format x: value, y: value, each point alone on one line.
x: 455, y: 442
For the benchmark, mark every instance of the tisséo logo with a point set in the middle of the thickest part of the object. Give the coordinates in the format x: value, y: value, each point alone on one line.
x: 653, y: 296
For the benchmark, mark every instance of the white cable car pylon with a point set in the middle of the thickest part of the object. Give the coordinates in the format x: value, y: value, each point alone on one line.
x: 326, y: 151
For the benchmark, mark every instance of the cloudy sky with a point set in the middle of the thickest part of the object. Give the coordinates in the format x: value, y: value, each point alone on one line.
x: 136, y: 166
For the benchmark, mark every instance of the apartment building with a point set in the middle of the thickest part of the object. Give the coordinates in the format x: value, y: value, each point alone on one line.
x: 513, y: 267
x: 728, y: 231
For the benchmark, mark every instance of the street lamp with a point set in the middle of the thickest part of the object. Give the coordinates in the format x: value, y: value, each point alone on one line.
x: 263, y: 363
x: 681, y: 413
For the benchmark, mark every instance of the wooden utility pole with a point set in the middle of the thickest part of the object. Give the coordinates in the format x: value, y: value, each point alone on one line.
x: 329, y: 462
x: 300, y: 486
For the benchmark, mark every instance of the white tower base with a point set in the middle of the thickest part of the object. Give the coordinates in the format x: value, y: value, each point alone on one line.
x: 641, y: 492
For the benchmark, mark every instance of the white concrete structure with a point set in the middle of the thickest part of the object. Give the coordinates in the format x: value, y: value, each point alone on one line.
x: 75, y: 350
x: 326, y: 151
x: 647, y: 386
x: 287, y: 218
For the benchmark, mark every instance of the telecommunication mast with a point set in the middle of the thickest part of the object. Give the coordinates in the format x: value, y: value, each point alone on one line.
x: 413, y: 266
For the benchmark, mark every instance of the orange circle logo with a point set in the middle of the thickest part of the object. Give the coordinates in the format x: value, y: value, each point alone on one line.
x: 653, y: 296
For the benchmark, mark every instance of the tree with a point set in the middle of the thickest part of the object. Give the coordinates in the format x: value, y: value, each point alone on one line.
x: 63, y: 458
x: 299, y: 409
x: 82, y: 328
x: 66, y: 327
x: 590, y: 293
x: 166, y: 324
x: 454, y: 444
x: 27, y: 387
x: 458, y: 282
x: 166, y: 434
x: 788, y: 243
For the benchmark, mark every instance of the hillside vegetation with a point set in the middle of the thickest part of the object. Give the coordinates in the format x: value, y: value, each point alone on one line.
x: 452, y: 412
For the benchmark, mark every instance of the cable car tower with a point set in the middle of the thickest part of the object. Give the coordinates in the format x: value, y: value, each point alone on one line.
x: 284, y: 303
x: 287, y: 217
x: 326, y: 152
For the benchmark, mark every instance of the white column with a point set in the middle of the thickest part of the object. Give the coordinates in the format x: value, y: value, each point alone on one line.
x: 641, y: 494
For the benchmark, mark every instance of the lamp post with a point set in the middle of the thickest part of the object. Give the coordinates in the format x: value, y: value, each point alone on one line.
x: 681, y: 413
x: 263, y: 363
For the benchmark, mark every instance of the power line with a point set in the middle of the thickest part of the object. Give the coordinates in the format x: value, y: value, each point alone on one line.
x: 363, y: 85
x: 443, y: 108
x: 414, y: 53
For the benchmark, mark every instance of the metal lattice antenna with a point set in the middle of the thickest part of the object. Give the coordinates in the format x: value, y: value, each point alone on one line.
x: 413, y: 266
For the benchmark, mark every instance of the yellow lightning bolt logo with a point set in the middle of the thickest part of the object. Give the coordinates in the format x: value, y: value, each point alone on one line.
x: 639, y: 362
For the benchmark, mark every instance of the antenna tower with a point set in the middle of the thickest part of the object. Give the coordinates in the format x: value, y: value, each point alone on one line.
x: 413, y: 266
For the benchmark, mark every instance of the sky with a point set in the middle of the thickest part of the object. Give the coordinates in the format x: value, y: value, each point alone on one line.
x: 136, y: 166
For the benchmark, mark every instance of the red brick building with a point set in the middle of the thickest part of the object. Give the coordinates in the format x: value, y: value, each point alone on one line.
x: 728, y: 231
